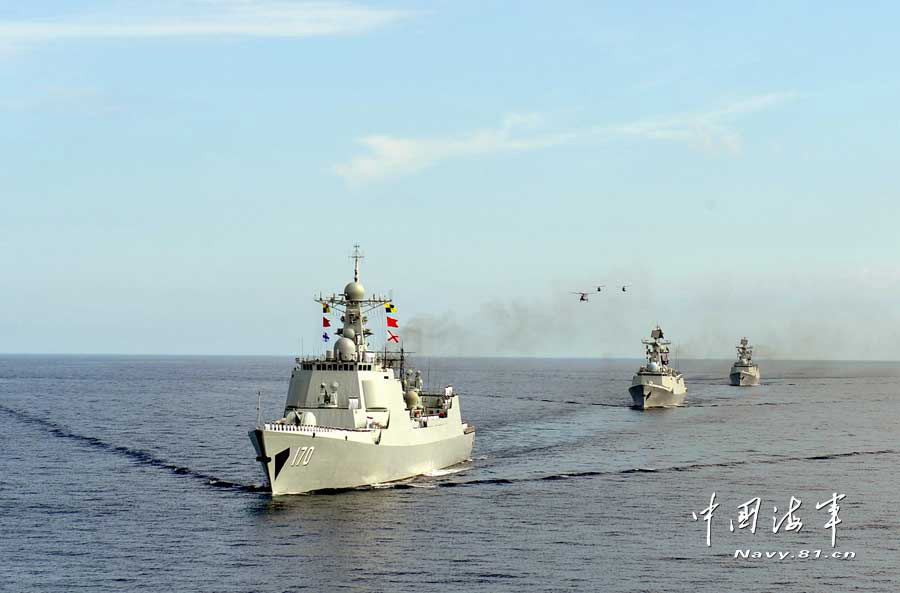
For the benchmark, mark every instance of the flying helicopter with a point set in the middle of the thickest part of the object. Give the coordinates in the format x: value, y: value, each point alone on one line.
x: 600, y: 287
x: 582, y: 296
x: 624, y: 286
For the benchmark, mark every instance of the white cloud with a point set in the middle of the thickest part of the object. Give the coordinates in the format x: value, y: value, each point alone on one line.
x: 392, y: 155
x: 261, y: 18
x: 708, y: 130
x: 389, y: 155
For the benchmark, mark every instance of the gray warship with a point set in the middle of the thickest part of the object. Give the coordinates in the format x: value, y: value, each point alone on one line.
x: 355, y: 417
x: 656, y: 384
x: 744, y: 371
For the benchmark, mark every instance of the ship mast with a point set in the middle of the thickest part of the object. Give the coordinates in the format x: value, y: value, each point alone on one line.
x: 357, y: 255
x: 657, y: 347
x: 354, y: 293
x: 354, y: 306
x: 745, y: 351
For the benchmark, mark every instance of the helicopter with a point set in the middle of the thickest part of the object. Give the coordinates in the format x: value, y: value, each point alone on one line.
x: 624, y: 287
x: 582, y: 296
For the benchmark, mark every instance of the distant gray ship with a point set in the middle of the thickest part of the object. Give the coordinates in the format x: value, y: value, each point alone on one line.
x: 744, y: 371
x: 656, y: 384
x: 349, y: 421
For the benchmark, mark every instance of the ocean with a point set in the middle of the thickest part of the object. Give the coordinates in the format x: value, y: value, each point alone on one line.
x: 135, y: 473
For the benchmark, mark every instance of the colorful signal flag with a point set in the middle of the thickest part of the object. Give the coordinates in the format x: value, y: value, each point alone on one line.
x: 390, y: 308
x: 325, y: 322
x: 392, y: 322
x: 392, y: 337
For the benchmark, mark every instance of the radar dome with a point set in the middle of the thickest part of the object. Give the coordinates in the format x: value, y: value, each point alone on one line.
x: 345, y: 349
x: 412, y: 400
x: 349, y: 333
x: 354, y: 291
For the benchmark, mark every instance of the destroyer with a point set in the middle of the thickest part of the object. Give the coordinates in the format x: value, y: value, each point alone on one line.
x: 744, y: 371
x: 656, y: 384
x: 350, y: 421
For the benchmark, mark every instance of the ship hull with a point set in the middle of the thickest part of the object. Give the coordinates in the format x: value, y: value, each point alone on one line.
x: 744, y: 376
x: 300, y: 462
x: 657, y: 391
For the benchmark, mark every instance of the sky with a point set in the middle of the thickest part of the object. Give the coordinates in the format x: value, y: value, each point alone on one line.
x: 183, y: 176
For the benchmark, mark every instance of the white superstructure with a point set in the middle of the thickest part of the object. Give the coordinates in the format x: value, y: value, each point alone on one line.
x: 350, y: 421
x: 656, y: 384
x: 744, y: 371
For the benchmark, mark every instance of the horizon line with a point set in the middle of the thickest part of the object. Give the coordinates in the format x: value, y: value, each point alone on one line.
x: 498, y: 357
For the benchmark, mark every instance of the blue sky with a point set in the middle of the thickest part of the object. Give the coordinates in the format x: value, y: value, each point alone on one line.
x: 182, y: 178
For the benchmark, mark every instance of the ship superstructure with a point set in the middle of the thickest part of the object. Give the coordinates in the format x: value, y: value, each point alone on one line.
x: 744, y: 372
x: 656, y: 384
x: 356, y: 417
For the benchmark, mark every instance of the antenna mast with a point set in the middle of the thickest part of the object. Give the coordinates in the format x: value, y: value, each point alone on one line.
x: 357, y: 255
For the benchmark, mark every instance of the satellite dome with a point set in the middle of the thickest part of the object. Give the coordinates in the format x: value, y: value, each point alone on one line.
x: 412, y: 400
x: 345, y: 349
x: 349, y: 333
x: 354, y: 291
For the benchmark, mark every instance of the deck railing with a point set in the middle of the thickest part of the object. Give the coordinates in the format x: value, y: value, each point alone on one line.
x: 310, y: 428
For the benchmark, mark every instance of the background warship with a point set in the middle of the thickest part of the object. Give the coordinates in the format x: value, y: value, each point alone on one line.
x: 349, y: 421
x: 656, y: 384
x: 744, y: 371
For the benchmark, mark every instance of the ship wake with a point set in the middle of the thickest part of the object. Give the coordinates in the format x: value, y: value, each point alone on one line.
x: 649, y: 470
x: 136, y: 455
